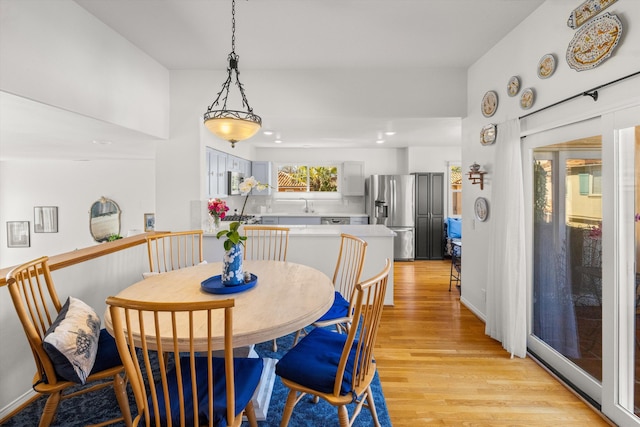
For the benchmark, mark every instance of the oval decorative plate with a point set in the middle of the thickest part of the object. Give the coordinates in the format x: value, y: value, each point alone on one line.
x: 594, y: 42
x: 489, y: 103
x: 527, y: 98
x: 513, y: 86
x: 546, y: 66
x: 488, y: 134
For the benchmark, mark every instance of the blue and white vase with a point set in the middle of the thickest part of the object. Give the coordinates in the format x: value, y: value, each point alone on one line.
x: 232, y: 273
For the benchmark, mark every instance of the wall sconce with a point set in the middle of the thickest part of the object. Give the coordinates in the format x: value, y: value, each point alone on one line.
x: 476, y: 176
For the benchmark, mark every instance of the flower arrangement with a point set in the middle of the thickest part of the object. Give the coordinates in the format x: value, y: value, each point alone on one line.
x: 233, y: 236
x: 218, y: 208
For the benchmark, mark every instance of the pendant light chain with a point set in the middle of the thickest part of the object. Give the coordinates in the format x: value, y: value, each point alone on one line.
x: 232, y: 125
x: 233, y: 26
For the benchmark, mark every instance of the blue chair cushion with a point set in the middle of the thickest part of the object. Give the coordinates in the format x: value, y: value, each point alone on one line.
x: 108, y: 355
x: 339, y: 308
x: 313, y: 362
x: 247, y: 376
x: 454, y: 228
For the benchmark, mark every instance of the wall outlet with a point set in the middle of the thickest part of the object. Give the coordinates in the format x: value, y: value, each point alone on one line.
x: 484, y: 295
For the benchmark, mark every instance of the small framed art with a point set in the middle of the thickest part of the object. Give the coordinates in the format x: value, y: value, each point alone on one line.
x: 18, y: 234
x: 45, y: 219
x: 149, y: 222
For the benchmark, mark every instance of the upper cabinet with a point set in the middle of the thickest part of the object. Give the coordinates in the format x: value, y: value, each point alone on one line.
x: 261, y: 171
x: 237, y: 164
x: 216, y: 173
x: 218, y: 164
x: 353, y: 179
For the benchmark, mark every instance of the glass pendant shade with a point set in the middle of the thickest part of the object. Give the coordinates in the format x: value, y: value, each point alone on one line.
x: 232, y: 126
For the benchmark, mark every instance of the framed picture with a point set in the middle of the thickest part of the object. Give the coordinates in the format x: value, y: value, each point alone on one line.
x: 149, y: 222
x: 18, y: 234
x: 45, y: 219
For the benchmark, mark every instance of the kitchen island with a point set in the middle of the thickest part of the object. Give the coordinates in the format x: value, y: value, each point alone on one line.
x: 318, y: 245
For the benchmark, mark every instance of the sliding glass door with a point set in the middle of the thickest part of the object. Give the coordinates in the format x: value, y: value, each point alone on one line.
x: 583, y: 186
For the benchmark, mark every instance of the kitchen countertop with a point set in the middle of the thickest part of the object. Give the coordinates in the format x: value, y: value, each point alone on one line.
x: 333, y: 230
x: 314, y: 214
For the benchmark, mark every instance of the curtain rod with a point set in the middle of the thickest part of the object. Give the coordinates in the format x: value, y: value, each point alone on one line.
x: 593, y: 93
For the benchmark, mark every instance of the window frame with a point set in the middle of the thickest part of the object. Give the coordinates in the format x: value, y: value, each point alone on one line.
x: 318, y: 195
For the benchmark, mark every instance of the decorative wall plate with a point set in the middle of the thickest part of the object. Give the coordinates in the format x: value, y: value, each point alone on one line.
x: 594, y: 42
x: 513, y: 86
x: 489, y: 103
x: 527, y: 98
x: 481, y: 209
x: 546, y: 66
x: 586, y: 11
x: 488, y: 134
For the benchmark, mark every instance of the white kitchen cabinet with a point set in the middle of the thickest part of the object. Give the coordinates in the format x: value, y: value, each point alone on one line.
x: 269, y: 220
x: 233, y: 163
x: 216, y: 173
x: 352, y: 179
x: 359, y: 220
x: 299, y: 220
x: 261, y: 171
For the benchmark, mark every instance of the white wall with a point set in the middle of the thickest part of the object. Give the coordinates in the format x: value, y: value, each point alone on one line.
x: 57, y: 53
x: 545, y: 31
x: 72, y: 186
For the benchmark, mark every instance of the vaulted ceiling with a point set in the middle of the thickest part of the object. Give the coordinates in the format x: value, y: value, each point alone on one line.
x: 324, y: 37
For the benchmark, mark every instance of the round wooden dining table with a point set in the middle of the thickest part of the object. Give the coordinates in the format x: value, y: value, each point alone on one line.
x: 286, y: 298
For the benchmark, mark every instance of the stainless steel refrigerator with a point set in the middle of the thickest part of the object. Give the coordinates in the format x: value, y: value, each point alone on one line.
x: 390, y: 200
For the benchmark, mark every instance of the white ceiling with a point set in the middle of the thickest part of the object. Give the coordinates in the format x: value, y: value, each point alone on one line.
x: 282, y: 35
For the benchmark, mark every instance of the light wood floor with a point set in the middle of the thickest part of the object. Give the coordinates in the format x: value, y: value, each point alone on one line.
x: 438, y: 368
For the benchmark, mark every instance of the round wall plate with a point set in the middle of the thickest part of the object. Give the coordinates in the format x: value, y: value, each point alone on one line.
x: 513, y: 86
x: 489, y: 103
x: 488, y: 134
x: 481, y: 209
x: 546, y: 66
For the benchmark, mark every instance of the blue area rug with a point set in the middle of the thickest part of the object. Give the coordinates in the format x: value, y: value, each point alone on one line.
x: 99, y: 406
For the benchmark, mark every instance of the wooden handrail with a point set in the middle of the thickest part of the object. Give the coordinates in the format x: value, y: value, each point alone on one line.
x: 67, y: 259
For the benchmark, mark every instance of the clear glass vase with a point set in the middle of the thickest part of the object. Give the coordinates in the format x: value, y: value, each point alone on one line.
x: 214, y: 223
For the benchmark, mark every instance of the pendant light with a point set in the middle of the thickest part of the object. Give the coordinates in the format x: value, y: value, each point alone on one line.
x: 232, y: 125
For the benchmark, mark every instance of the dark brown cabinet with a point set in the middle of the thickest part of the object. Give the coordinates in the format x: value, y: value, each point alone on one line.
x: 429, y: 215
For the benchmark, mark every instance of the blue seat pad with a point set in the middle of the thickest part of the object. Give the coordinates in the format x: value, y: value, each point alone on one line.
x: 107, y: 355
x: 339, y: 309
x: 247, y: 375
x: 313, y: 362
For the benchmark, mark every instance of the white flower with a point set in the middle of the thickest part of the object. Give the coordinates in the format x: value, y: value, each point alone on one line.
x: 248, y: 184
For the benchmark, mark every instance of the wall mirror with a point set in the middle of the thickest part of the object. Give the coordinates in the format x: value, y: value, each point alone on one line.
x: 104, y: 219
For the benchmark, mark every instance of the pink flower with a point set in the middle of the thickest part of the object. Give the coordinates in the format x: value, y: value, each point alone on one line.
x: 595, y: 232
x: 637, y: 217
x: 217, y: 208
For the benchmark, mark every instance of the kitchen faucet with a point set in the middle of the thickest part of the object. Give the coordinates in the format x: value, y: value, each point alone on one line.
x: 306, y: 205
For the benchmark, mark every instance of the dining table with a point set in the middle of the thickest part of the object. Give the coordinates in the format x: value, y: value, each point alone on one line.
x: 286, y: 297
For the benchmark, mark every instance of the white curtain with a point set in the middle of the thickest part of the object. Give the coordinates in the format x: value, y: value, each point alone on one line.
x: 506, y: 276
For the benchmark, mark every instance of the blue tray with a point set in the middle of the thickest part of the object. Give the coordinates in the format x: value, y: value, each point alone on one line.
x: 214, y: 285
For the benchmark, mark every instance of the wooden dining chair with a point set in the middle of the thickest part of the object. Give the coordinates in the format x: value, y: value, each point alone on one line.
x: 67, y: 343
x: 173, y: 251
x: 338, y: 368
x: 266, y: 243
x: 345, y: 277
x: 195, y: 388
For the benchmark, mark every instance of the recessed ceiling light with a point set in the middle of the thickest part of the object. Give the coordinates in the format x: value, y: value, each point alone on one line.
x: 278, y: 141
x: 390, y: 133
x: 101, y: 142
x: 380, y: 141
x: 268, y: 132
